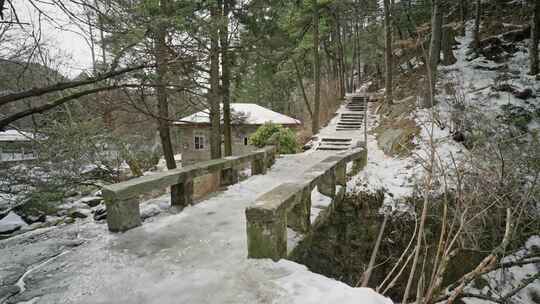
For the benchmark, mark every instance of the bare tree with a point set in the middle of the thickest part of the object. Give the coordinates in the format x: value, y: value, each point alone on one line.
x: 388, y: 56
x: 535, y: 34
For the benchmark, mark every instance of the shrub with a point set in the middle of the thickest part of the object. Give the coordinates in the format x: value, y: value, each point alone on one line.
x: 272, y: 134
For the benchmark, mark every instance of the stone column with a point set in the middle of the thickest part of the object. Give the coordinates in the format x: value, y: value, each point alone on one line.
x: 341, y: 174
x: 258, y: 166
x: 360, y: 163
x: 298, y: 219
x: 270, y: 158
x: 229, y: 176
x: 266, y: 234
x: 122, y: 215
x: 183, y: 194
x: 327, y: 184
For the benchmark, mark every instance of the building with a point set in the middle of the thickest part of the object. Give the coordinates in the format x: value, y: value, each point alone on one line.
x: 193, y: 132
x: 16, y: 146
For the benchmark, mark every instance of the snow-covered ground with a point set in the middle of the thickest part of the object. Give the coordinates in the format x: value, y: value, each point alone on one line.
x: 397, y: 176
x: 196, y: 256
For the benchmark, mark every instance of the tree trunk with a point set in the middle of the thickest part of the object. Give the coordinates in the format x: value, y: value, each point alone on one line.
x: 316, y: 70
x: 226, y: 78
x: 535, y: 33
x: 447, y: 44
x: 463, y: 15
x: 388, y: 64
x: 477, y: 20
x: 162, y: 98
x: 214, y: 100
x: 302, y: 89
x: 435, y: 42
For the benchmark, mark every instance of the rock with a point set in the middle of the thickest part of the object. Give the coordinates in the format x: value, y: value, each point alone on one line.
x: 100, y: 214
x: 91, y: 201
x: 505, y: 87
x: 34, y: 226
x: 52, y: 221
x: 525, y: 94
x: 79, y: 213
x: 395, y: 137
x: 69, y: 220
x: 8, y: 291
x: 11, y: 223
x: 490, y: 67
x: 458, y: 137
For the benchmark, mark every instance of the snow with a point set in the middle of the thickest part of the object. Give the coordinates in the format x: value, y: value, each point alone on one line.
x: 11, y: 222
x: 15, y: 135
x: 501, y: 281
x: 319, y: 202
x: 309, y: 288
x: 195, y: 256
x: 245, y: 113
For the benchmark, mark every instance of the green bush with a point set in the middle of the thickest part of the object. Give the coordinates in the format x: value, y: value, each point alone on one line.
x: 272, y: 134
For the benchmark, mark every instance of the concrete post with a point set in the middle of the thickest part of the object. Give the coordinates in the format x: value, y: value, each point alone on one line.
x: 182, y: 194
x: 360, y: 163
x: 266, y: 234
x: 258, y: 166
x: 122, y: 215
x: 341, y: 174
x: 229, y: 176
x: 270, y: 158
x: 327, y: 184
x: 298, y: 219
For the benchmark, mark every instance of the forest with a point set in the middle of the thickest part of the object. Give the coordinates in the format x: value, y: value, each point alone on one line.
x: 442, y: 96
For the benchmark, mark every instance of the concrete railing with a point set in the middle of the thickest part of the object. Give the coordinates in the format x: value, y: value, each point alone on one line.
x: 122, y: 199
x: 289, y: 204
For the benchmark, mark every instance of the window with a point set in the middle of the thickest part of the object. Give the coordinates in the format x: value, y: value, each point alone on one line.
x: 199, y: 142
x: 246, y: 141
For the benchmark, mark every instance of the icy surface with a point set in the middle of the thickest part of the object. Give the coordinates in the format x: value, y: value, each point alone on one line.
x: 196, y: 256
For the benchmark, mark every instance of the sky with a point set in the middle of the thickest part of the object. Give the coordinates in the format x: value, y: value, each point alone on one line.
x: 63, y: 37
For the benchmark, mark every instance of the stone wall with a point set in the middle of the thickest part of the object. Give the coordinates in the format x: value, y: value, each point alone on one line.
x: 184, y: 142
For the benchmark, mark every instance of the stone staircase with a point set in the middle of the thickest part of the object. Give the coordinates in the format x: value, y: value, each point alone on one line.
x: 350, y: 119
x: 334, y: 144
x: 353, y: 118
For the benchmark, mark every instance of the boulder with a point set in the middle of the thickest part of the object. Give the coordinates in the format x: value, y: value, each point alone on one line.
x: 11, y: 223
x: 79, y: 213
x: 8, y: 291
x: 523, y: 94
x: 100, y: 214
x: 91, y: 201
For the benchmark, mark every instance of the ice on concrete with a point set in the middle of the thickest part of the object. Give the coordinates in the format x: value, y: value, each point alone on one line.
x: 196, y: 256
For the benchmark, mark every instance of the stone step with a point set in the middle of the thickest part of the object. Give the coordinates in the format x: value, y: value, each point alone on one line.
x: 328, y: 139
x: 349, y: 123
x: 331, y: 149
x: 335, y: 144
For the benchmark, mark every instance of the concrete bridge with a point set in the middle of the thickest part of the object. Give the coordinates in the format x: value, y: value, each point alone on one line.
x: 200, y: 255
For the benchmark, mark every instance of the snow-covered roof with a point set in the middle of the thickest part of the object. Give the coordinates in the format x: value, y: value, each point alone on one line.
x: 15, y: 135
x: 243, y: 113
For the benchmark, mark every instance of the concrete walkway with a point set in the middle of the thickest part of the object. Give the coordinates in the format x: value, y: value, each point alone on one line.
x: 196, y: 256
